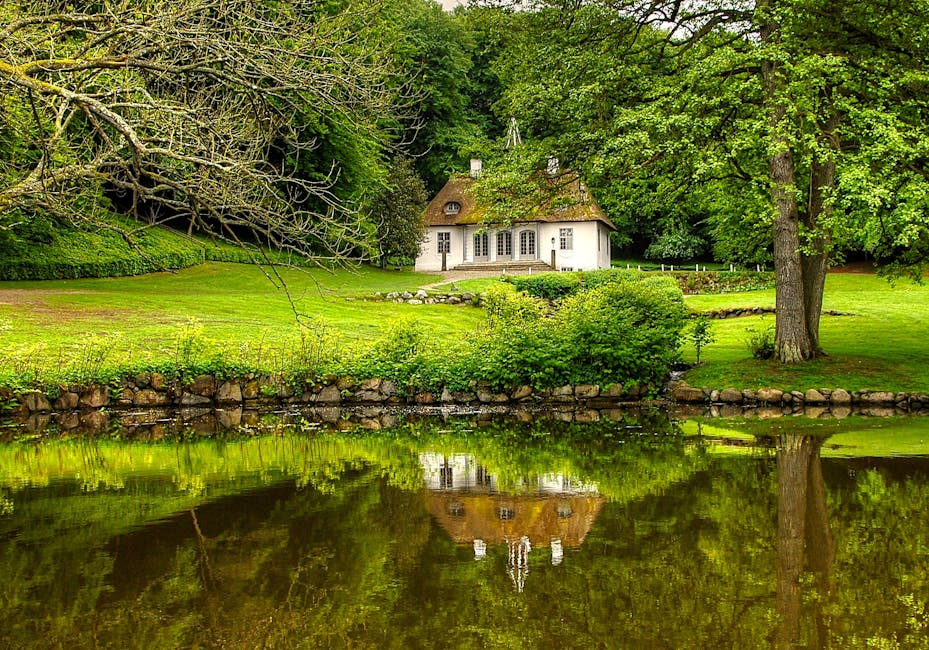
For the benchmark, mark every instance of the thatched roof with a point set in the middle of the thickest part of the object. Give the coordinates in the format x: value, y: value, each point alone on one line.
x: 477, y: 516
x: 581, y: 205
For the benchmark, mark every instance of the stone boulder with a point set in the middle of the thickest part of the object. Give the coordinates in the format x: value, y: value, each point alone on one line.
x: 769, y: 395
x: 67, y: 401
x: 522, y: 392
x: 329, y: 395
x: 878, y: 397
x: 150, y: 397
x: 586, y: 391
x: 95, y: 397
x: 36, y: 402
x: 229, y: 392
x: 813, y: 396
x: 203, y: 385
x: 683, y: 392
x: 731, y: 396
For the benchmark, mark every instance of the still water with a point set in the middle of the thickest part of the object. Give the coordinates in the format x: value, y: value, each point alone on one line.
x: 633, y: 531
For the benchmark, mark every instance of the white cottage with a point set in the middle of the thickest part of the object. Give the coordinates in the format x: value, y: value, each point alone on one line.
x: 571, y: 238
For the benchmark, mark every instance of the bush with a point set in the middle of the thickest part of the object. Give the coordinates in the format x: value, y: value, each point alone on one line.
x: 626, y: 330
x: 676, y: 245
x: 761, y: 342
x: 551, y: 286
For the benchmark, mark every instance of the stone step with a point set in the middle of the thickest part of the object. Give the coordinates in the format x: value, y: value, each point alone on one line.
x: 512, y: 267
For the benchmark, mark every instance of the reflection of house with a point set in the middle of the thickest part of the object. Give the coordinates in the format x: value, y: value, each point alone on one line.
x: 578, y: 233
x: 548, y: 510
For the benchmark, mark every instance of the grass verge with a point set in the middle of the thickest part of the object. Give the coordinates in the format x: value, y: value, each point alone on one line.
x: 879, y: 344
x: 77, y: 328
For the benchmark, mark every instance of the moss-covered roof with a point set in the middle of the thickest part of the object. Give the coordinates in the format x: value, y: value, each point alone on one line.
x: 579, y: 205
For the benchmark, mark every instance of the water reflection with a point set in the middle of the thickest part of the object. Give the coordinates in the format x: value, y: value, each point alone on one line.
x: 475, y: 532
x: 804, y: 537
x: 548, y: 510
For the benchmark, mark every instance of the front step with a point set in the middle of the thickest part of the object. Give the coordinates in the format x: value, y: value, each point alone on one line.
x: 512, y: 267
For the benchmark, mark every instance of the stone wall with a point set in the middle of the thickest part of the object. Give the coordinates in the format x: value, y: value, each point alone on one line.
x: 147, y: 390
x: 684, y: 393
x: 421, y: 297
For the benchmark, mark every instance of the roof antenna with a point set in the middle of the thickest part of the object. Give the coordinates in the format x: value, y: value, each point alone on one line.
x: 512, y: 134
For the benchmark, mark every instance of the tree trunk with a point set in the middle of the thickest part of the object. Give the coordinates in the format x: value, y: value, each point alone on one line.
x: 792, y: 328
x: 793, y: 464
x: 792, y: 340
x: 816, y: 259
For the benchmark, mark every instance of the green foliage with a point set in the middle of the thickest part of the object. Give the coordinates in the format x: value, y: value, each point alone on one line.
x: 550, y: 286
x: 701, y: 334
x: 676, y: 245
x: 624, y: 330
x: 760, y: 342
x: 400, y: 354
x: 45, y: 249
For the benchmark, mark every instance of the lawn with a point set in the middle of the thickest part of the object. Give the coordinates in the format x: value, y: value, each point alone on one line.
x: 880, y: 344
x: 234, y: 304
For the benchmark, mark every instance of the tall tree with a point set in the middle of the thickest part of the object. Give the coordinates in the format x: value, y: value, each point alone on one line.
x: 819, y: 106
x: 195, y: 108
x: 397, y: 213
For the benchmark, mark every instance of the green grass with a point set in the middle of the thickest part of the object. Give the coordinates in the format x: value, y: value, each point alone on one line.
x: 474, y: 285
x: 850, y: 437
x: 881, y: 345
x: 235, y: 304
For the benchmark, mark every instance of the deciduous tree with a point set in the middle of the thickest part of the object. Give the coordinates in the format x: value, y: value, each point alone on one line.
x: 196, y: 109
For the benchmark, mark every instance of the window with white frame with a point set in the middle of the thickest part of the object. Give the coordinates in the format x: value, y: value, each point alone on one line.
x: 527, y: 243
x: 445, y: 242
x: 452, y: 207
x: 504, y: 243
x: 566, y: 239
x: 481, y: 247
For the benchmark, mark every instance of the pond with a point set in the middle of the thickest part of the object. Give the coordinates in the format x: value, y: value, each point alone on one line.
x: 637, y: 530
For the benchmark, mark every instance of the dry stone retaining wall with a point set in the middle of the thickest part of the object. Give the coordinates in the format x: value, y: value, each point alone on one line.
x: 154, y: 390
x: 684, y: 393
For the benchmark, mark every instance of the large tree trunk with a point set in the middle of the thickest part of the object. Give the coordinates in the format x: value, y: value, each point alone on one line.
x: 816, y: 260
x: 793, y: 464
x: 792, y: 341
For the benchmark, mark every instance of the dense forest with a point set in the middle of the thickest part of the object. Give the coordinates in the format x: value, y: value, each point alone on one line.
x: 784, y: 132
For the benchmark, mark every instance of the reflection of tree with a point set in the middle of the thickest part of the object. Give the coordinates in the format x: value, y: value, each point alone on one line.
x: 804, y: 538
x: 353, y: 558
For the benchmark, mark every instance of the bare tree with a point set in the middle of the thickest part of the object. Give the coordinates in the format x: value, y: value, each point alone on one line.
x: 190, y: 108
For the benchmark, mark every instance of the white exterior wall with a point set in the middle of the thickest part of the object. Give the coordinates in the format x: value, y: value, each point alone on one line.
x: 430, y: 259
x: 591, y: 248
x: 604, y: 253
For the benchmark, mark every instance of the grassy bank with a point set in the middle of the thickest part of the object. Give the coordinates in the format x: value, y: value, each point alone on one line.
x: 48, y: 328
x: 879, y: 344
x: 45, y: 327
